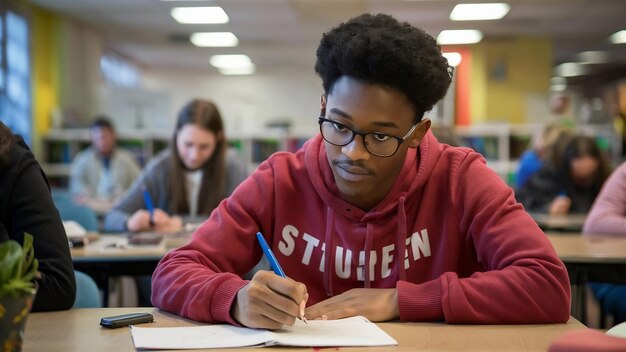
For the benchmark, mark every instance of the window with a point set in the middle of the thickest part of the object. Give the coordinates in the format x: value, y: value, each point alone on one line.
x: 119, y: 72
x: 15, y: 88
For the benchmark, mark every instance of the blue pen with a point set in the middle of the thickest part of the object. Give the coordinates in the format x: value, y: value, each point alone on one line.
x: 275, y: 266
x: 270, y: 255
x: 149, y: 204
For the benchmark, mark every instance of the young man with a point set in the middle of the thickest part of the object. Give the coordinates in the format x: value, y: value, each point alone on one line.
x: 373, y: 216
x: 102, y: 172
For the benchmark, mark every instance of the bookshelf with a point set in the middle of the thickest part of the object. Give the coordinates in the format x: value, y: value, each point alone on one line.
x: 500, y: 144
x: 61, y: 146
x: 254, y: 148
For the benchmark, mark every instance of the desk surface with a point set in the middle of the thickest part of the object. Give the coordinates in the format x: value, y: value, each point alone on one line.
x: 109, y: 247
x: 574, y: 247
x: 569, y: 222
x: 79, y: 330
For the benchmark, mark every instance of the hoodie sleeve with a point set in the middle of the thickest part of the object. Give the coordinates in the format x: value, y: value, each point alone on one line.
x: 201, y: 279
x: 608, y: 214
x: 523, y: 280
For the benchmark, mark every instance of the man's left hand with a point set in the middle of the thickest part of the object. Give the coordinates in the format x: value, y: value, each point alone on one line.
x: 376, y: 304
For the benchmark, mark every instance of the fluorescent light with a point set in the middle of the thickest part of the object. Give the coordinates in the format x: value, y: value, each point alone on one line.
x: 463, y: 36
x: 238, y: 70
x: 208, y: 14
x: 618, y: 37
x: 477, y: 12
x: 454, y: 58
x: 233, y: 64
x: 570, y: 69
x: 593, y: 57
x: 214, y: 39
x: 230, y: 61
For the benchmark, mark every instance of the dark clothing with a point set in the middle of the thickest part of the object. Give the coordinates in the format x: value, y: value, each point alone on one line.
x: 541, y: 188
x: 611, y: 297
x: 26, y: 206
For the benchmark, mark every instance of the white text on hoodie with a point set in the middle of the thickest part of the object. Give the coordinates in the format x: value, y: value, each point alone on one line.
x: 418, y: 244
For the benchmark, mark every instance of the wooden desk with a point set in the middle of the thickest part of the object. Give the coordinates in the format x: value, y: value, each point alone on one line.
x: 597, y: 258
x: 108, y: 256
x: 79, y: 330
x: 569, y: 222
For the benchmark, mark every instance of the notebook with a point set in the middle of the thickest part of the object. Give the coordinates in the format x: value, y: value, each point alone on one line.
x: 354, y: 331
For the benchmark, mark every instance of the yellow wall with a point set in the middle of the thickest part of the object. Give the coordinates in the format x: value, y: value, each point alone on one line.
x: 504, y: 73
x: 46, y: 71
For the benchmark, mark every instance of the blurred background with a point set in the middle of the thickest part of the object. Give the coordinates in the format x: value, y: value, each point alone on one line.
x: 520, y: 65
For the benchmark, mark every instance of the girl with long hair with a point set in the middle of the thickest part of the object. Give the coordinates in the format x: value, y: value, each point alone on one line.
x: 185, y: 182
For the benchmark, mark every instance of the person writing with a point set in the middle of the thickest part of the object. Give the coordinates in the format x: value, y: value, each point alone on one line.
x: 542, y: 153
x: 26, y: 206
x: 569, y: 186
x: 372, y: 216
x: 608, y: 216
x: 101, y: 173
x: 186, y: 181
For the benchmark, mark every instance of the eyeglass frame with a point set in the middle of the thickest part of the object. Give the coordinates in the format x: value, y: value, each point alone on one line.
x: 322, y: 119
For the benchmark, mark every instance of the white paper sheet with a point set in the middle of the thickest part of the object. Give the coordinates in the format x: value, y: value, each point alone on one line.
x: 355, y: 331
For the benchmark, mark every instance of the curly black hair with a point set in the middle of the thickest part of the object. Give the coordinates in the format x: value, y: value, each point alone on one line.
x: 378, y: 49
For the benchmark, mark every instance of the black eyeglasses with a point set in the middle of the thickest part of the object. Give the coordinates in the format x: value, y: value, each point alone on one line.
x: 376, y: 143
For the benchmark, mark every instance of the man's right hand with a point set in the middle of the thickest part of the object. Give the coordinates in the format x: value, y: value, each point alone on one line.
x: 269, y: 301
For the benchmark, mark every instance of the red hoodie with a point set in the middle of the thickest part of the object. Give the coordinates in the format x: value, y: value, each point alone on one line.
x: 449, y: 236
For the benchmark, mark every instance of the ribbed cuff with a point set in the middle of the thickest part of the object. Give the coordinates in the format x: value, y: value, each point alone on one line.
x: 223, y: 298
x: 420, y: 302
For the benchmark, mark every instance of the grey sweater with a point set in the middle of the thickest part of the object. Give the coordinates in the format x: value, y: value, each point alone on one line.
x: 155, y: 178
x: 89, y: 177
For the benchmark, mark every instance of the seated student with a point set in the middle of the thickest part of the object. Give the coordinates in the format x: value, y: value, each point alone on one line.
x: 571, y: 186
x: 608, y: 216
x: 545, y: 145
x: 187, y: 180
x: 372, y: 216
x: 26, y: 206
x: 102, y: 172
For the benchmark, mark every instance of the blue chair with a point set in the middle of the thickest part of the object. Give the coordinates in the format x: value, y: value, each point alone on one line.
x: 87, y: 292
x: 83, y: 215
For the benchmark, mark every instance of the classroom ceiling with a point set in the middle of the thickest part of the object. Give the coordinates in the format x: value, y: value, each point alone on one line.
x: 285, y: 33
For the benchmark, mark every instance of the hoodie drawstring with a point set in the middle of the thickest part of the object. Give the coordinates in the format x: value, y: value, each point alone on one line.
x: 401, y: 240
x: 329, y: 261
x: 368, y: 248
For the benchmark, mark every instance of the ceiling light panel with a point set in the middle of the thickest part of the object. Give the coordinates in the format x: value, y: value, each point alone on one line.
x: 239, y: 71
x: 214, y: 39
x: 230, y: 61
x: 478, y: 12
x: 196, y: 15
x: 462, y: 36
x: 593, y: 57
x: 618, y: 37
x: 570, y: 69
x: 454, y: 58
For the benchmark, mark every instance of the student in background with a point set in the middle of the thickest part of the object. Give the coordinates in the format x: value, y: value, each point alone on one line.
x: 570, y: 186
x: 186, y: 181
x: 373, y: 216
x: 542, y: 152
x: 26, y: 206
x: 101, y: 173
x: 608, y: 216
